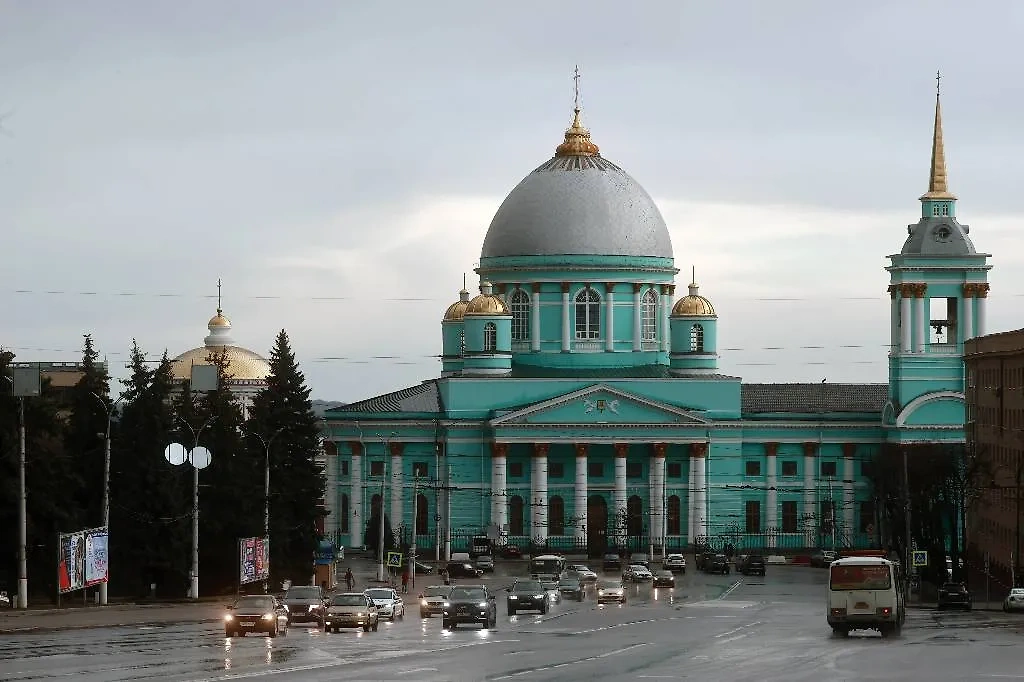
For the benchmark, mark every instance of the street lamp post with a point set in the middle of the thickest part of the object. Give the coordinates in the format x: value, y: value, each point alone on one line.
x: 108, y: 408
x: 266, y: 442
x: 381, y: 569
x: 193, y: 591
x: 25, y: 382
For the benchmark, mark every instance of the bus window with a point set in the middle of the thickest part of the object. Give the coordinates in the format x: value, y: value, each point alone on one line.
x: 854, y: 577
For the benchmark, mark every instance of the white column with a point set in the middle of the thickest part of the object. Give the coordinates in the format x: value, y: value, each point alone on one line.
x: 967, y: 315
x: 848, y: 492
x: 580, y: 501
x: 700, y: 484
x: 920, y: 328
x: 397, y: 482
x: 566, y: 318
x: 355, y: 496
x: 619, y: 495
x: 657, y: 494
x: 535, y: 318
x: 539, y: 492
x: 906, y: 324
x: 810, y: 492
x: 609, y: 315
x: 637, y: 318
x: 665, y: 300
x: 691, y: 495
x: 982, y: 305
x: 894, y: 320
x: 772, y: 494
x: 499, y: 486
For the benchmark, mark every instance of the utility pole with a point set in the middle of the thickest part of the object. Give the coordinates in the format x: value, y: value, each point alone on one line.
x: 381, y: 568
x: 22, y: 513
x: 109, y: 409
x: 415, y: 520
x: 266, y: 443
x: 907, y: 559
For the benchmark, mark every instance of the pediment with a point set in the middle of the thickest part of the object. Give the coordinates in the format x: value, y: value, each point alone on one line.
x: 600, y: 404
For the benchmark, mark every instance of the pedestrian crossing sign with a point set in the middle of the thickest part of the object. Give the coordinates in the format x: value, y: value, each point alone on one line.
x: 394, y: 559
x: 920, y: 557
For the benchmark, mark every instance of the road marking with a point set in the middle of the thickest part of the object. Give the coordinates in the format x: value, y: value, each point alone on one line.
x: 731, y: 639
x: 417, y: 670
x: 735, y: 630
x: 568, y: 663
x: 729, y: 591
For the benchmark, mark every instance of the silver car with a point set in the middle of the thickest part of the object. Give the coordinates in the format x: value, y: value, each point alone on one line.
x: 610, y: 591
x: 351, y: 610
x: 432, y: 600
x: 388, y: 602
x: 1015, y: 600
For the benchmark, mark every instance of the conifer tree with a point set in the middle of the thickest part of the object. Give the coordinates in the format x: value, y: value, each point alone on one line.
x: 85, y: 432
x: 282, y: 417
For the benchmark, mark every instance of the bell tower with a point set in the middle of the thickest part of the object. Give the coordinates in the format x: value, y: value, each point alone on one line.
x: 938, y: 289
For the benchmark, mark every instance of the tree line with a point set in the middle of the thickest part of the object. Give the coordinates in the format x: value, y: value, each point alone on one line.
x: 151, y: 499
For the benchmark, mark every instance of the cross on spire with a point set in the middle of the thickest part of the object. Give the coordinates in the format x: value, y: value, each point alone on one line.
x: 576, y: 87
x: 219, y: 310
x: 938, y: 83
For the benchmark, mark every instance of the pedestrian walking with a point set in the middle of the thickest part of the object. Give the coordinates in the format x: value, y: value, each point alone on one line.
x: 350, y: 580
x: 405, y: 582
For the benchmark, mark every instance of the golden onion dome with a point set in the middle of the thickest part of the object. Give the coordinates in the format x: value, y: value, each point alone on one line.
x: 577, y: 140
x: 693, y: 305
x: 456, y: 311
x: 218, y: 320
x: 486, y: 303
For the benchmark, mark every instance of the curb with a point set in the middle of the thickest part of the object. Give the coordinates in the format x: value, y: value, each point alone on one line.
x: 41, y: 629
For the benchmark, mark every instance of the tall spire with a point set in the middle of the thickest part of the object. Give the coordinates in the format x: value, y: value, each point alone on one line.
x: 219, y: 309
x: 577, y: 137
x: 937, y: 185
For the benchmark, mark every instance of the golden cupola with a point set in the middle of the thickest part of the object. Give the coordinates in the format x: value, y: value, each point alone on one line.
x: 577, y: 139
x: 456, y: 311
x: 693, y: 304
x: 486, y: 303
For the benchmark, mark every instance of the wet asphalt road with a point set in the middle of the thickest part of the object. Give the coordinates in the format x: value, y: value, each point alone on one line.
x: 708, y: 628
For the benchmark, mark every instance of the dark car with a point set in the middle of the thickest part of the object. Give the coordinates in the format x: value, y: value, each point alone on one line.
x: 954, y: 595
x: 718, y: 563
x: 485, y: 563
x: 460, y: 569
x: 469, y: 604
x: 306, y: 604
x: 258, y: 613
x: 751, y: 564
x: 424, y: 569
x: 611, y: 563
x: 639, y: 559
x: 823, y: 558
x: 703, y: 560
x: 510, y: 552
x: 571, y: 587
x: 527, y: 595
x: 664, y: 579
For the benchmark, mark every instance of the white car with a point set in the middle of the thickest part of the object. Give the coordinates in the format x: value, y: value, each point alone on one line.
x: 611, y: 591
x: 675, y: 563
x: 585, y: 575
x: 388, y: 602
x: 638, y: 573
x: 1015, y: 600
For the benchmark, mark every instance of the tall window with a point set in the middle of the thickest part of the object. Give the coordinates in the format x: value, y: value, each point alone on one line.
x: 515, y: 515
x: 674, y: 520
x: 588, y: 315
x: 696, y: 339
x: 519, y: 304
x: 789, y: 524
x: 490, y: 337
x: 634, y: 516
x: 649, y: 316
x: 866, y: 518
x: 462, y: 342
x: 753, y: 514
x: 421, y: 514
x: 556, y: 516
x: 344, y: 513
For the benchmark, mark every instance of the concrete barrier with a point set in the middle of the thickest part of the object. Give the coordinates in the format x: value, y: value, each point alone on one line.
x: 776, y: 559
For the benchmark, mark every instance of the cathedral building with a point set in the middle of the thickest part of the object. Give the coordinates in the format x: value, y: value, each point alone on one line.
x: 580, y: 404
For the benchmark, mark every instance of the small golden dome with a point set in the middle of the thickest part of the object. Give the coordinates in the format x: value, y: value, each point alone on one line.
x: 456, y: 311
x: 693, y: 305
x: 218, y: 320
x: 577, y: 140
x: 486, y: 303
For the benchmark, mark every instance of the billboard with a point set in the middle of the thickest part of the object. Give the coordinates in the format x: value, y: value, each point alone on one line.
x: 83, y: 559
x: 253, y: 560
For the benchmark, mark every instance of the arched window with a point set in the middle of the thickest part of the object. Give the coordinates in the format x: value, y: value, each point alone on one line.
x: 519, y: 305
x: 343, y: 522
x: 588, y: 315
x: 556, y: 516
x: 634, y: 515
x: 945, y: 209
x: 649, y: 316
x: 375, y: 505
x: 515, y: 515
x: 462, y: 342
x: 696, y: 339
x: 490, y: 337
x: 674, y: 516
x: 421, y: 514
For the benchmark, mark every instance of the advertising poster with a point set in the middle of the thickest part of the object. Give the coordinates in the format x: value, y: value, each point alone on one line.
x: 71, y: 566
x: 254, y: 560
x: 96, y: 557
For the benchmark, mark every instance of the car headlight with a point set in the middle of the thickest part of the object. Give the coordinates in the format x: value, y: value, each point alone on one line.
x: 482, y: 605
x: 268, y: 616
x: 446, y: 604
x: 423, y: 602
x: 228, y: 618
x: 538, y: 596
x: 360, y: 615
x: 600, y: 591
x: 512, y: 596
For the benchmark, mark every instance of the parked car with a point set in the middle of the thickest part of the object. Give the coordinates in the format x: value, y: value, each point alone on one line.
x: 718, y: 563
x: 751, y: 564
x: 571, y: 587
x: 586, y: 576
x: 256, y: 613
x: 675, y: 563
x: 351, y: 610
x: 638, y: 573
x: 463, y: 569
x: 1015, y: 600
x: 424, y: 569
x: 510, y: 552
x: 485, y: 563
x: 527, y: 595
x: 823, y: 558
x: 611, y: 563
x: 664, y: 579
x: 611, y: 591
x: 306, y: 604
x: 388, y: 602
x: 703, y: 559
x: 954, y: 595
x: 432, y: 600
x: 469, y: 604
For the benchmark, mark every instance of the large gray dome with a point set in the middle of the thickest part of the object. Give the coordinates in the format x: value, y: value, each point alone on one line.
x: 578, y: 203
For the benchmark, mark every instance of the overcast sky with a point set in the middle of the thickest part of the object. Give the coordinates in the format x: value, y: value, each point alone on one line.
x: 338, y: 163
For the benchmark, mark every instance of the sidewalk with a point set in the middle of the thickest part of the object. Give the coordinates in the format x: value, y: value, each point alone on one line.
x: 13, y: 621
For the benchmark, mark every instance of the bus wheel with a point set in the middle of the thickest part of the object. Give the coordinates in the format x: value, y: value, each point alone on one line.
x: 840, y: 632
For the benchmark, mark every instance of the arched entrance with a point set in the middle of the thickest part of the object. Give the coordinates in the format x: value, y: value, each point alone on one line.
x: 372, y: 530
x: 635, y: 524
x: 597, y: 525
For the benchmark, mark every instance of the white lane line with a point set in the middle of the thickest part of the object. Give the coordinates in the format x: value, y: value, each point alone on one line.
x: 735, y: 630
x: 729, y: 591
x: 417, y: 670
x: 568, y: 663
x: 731, y: 639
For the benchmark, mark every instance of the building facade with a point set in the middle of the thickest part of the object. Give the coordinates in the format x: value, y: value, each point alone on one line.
x: 580, y: 402
x: 995, y: 432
